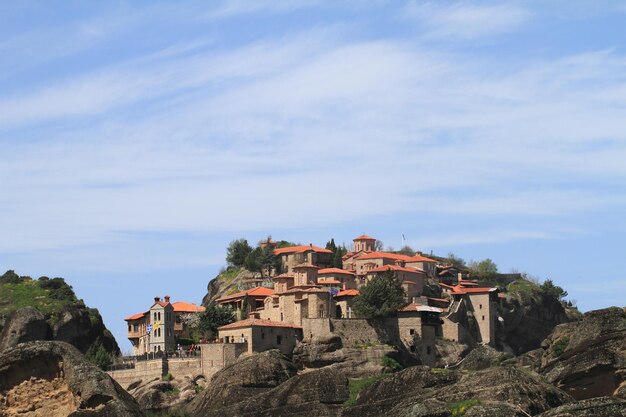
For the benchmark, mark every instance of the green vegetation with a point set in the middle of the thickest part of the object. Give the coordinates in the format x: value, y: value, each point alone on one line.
x: 49, y: 296
x: 338, y: 252
x: 237, y: 252
x: 549, y: 289
x: 381, y: 297
x: 406, y: 250
x: 522, y: 287
x: 172, y: 392
x: 98, y: 355
x: 456, y: 261
x: 355, y: 386
x: 390, y: 364
x: 559, y: 346
x: 459, y: 409
x: 230, y: 273
x: 504, y: 357
x: 262, y: 260
x: 214, y: 317
x: 167, y: 377
x: 483, y: 269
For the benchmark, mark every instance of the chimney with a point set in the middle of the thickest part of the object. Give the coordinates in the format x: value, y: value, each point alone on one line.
x: 167, y: 298
x: 157, y: 299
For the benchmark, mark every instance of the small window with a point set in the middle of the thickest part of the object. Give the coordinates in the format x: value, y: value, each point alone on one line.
x: 483, y: 318
x: 262, y: 335
x: 428, y: 350
x: 279, y: 340
x: 411, y: 332
x: 129, y: 327
x: 412, y: 348
x: 481, y: 306
x: 136, y: 327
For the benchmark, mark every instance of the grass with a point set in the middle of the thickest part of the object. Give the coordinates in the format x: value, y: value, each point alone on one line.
x: 459, y: 409
x: 355, y: 386
x: 522, y: 286
x: 172, y: 392
x: 167, y: 377
x: 29, y: 294
x: 230, y: 274
x: 390, y: 364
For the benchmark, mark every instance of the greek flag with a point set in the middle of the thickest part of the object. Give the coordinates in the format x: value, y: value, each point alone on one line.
x: 149, y: 328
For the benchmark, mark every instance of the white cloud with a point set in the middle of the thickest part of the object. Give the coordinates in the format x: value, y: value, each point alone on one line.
x: 467, y: 21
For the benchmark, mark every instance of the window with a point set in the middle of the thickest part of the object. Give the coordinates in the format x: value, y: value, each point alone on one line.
x: 483, y: 318
x: 411, y: 332
x: 262, y: 335
x: 129, y: 327
x: 428, y: 350
x: 279, y: 340
x: 155, y: 317
x: 412, y: 348
x: 480, y: 306
x: 136, y: 327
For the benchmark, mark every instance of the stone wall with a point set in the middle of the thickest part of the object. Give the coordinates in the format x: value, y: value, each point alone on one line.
x: 213, y: 357
x: 143, y: 370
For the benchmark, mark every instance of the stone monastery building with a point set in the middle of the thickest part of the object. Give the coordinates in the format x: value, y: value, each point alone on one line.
x: 312, y: 299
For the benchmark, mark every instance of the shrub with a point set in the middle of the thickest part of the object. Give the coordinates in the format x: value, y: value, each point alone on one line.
x: 167, y: 377
x: 381, y: 297
x: 559, y: 346
x: 460, y: 408
x: 390, y: 364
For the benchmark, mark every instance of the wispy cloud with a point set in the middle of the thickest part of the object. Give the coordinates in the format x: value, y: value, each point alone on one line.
x: 466, y: 20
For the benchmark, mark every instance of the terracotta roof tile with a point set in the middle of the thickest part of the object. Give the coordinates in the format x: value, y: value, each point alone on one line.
x: 253, y: 292
x: 395, y: 268
x: 347, y: 293
x: 329, y: 282
x: 183, y: 307
x: 334, y: 271
x: 387, y: 255
x: 364, y: 237
x: 136, y: 316
x: 300, y: 249
x: 420, y: 258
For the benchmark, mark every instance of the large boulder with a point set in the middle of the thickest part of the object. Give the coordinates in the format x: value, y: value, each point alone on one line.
x: 82, y: 327
x: 319, y: 393
x: 588, y: 358
x: 53, y: 379
x: 249, y: 376
x: 498, y: 388
x: 595, y: 407
x: 23, y: 325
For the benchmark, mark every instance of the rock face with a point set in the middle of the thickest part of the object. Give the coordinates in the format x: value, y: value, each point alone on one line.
x: 498, y: 390
x: 227, y: 283
x: 53, y: 379
x: 82, y: 328
x: 528, y: 320
x: 353, y: 362
x: 316, y: 393
x: 160, y: 395
x: 595, y: 407
x: 588, y: 358
x: 24, y: 325
x: 245, y: 378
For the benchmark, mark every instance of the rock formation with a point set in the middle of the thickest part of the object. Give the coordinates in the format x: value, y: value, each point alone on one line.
x: 53, y: 379
x: 498, y: 390
x: 588, y: 358
x: 24, y: 325
x: 595, y: 407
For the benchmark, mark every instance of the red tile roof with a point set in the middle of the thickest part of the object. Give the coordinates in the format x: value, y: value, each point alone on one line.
x: 253, y: 292
x: 462, y: 290
x: 381, y: 255
x: 300, y: 249
x: 334, y: 271
x: 420, y: 258
x: 136, y: 316
x: 183, y: 307
x: 251, y: 322
x: 348, y: 293
x: 364, y: 237
x: 470, y: 283
x: 394, y: 268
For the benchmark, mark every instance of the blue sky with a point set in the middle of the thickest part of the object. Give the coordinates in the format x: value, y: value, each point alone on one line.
x: 139, y: 138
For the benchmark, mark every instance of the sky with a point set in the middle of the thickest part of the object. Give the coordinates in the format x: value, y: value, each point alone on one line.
x: 137, y: 139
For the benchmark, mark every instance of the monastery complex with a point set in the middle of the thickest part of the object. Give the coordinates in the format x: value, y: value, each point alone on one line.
x: 311, y: 299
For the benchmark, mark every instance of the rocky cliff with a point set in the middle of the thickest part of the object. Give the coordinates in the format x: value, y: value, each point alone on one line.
x: 53, y: 379
x: 228, y: 282
x: 48, y: 309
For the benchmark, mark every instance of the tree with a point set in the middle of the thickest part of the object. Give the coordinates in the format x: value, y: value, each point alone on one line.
x: 484, y: 268
x: 338, y: 256
x: 379, y: 245
x: 456, y: 261
x: 214, y: 317
x: 407, y: 250
x: 98, y: 355
x: 549, y: 289
x: 331, y: 246
x: 237, y: 252
x: 381, y: 297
